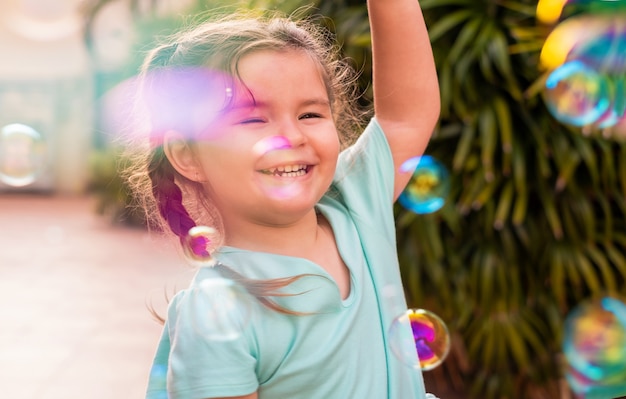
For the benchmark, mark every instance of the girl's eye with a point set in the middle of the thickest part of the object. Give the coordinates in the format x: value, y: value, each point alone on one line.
x: 251, y: 121
x: 310, y: 115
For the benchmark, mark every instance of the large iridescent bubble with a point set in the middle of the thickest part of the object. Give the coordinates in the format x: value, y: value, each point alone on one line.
x: 219, y: 309
x: 606, y: 51
x: 428, y: 187
x: 419, y: 339
x: 594, y: 345
x: 585, y: 59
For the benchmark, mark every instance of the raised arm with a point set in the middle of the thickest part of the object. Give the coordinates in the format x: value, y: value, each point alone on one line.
x: 405, y: 85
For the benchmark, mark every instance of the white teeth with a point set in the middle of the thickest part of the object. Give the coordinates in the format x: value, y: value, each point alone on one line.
x: 287, y: 170
x: 301, y: 172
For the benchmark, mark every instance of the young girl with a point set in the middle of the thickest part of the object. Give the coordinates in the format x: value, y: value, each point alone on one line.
x: 306, y: 227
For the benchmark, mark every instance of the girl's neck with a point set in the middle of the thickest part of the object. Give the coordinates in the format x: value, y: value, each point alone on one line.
x: 299, y: 238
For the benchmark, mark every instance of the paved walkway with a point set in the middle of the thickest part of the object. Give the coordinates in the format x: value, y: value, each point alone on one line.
x: 73, y: 292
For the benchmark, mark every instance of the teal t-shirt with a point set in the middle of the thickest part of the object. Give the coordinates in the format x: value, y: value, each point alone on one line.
x: 338, y: 349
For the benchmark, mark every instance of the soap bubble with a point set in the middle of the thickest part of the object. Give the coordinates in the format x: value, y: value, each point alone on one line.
x: 617, y: 107
x: 563, y: 38
x: 44, y: 21
x: 428, y: 187
x: 199, y: 245
x: 585, y: 54
x: 551, y: 11
x: 219, y: 308
x: 605, y: 53
x: 22, y: 155
x: 577, y: 94
x: 594, y: 342
x: 605, y: 50
x: 419, y: 339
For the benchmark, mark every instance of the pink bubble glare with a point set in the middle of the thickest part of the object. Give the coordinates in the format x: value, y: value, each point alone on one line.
x: 185, y: 100
x: 272, y: 143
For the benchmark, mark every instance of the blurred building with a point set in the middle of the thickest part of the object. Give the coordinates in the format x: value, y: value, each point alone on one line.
x: 50, y: 53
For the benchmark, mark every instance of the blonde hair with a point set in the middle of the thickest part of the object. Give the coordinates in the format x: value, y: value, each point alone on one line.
x: 175, y: 203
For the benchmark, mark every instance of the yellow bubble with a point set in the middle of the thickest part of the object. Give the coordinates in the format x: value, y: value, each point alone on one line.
x: 559, y: 43
x: 571, y: 33
x: 549, y: 11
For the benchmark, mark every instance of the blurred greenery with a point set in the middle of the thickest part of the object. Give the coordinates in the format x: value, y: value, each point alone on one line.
x: 536, y: 219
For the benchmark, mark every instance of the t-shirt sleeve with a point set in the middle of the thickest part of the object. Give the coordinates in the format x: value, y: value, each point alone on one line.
x: 364, y: 179
x: 201, y: 365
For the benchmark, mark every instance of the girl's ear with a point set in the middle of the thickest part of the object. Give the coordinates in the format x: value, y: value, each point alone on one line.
x: 181, y: 156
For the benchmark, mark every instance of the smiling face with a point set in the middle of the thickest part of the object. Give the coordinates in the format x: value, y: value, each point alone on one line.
x: 272, y: 154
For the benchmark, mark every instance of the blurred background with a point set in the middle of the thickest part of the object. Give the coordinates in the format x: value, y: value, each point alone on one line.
x: 532, y: 226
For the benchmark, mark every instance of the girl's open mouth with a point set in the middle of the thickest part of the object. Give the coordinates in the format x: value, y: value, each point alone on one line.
x: 287, y: 170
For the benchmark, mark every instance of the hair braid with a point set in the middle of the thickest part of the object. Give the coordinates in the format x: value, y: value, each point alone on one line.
x: 168, y: 196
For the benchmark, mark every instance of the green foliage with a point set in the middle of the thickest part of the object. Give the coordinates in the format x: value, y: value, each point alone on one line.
x: 114, y: 197
x: 536, y: 220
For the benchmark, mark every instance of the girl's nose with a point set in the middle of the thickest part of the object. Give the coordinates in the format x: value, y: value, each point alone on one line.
x: 293, y: 133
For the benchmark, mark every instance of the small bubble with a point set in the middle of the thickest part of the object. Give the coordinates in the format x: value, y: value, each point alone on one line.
x: 199, y: 245
x: 22, y: 155
x: 576, y: 94
x: 428, y: 187
x: 594, y: 343
x: 419, y: 339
